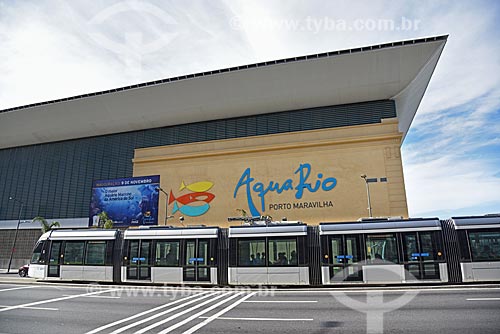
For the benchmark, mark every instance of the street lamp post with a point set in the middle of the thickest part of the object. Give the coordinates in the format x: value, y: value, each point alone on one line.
x: 17, y: 230
x: 371, y: 180
x: 166, y: 203
x: 368, y: 194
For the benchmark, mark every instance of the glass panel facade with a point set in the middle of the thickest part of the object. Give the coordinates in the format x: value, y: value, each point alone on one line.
x: 485, y: 245
x: 283, y: 252
x: 167, y: 253
x: 381, y: 248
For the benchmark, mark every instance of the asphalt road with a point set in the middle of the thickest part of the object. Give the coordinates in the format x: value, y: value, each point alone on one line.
x: 65, y: 308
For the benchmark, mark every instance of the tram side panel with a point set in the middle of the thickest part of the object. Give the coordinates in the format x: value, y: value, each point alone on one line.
x: 171, y: 255
x: 479, y: 239
x: 274, y: 254
x: 389, y: 252
x: 75, y: 256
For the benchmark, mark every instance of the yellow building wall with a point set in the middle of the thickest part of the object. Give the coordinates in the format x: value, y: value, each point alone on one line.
x: 204, y: 177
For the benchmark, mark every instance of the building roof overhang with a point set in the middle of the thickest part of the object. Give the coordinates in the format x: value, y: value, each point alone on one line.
x: 399, y: 71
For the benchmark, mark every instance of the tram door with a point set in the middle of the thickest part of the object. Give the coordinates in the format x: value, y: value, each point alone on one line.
x: 55, y: 259
x: 196, y: 260
x: 345, y: 255
x: 139, y: 260
x: 421, y: 255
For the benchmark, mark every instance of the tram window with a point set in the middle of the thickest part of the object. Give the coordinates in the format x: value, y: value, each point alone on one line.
x: 73, y: 252
x: 410, y: 246
x: 485, y: 245
x: 283, y: 252
x: 167, y: 253
x: 337, y: 250
x: 353, y: 249
x: 202, y: 252
x: 428, y: 246
x: 251, y: 252
x: 96, y: 252
x: 37, y: 257
x: 381, y: 248
x: 464, y: 246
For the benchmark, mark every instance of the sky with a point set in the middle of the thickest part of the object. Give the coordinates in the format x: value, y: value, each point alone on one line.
x: 451, y: 155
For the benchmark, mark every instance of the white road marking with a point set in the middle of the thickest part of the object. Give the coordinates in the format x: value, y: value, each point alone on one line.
x: 259, y: 319
x: 53, y: 300
x: 280, y: 301
x: 185, y: 321
x: 109, y: 297
x: 218, y: 314
x: 168, y: 311
x: 36, y: 308
x: 19, y: 288
x: 361, y: 290
x: 144, y: 313
x: 483, y: 298
x: 180, y: 313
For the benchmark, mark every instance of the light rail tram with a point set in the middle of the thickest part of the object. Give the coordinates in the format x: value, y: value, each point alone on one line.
x: 367, y: 252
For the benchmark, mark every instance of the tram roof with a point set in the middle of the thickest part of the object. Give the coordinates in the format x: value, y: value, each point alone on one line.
x: 81, y: 234
x: 399, y: 71
x: 267, y: 231
x: 477, y: 222
x: 168, y: 233
x: 406, y: 225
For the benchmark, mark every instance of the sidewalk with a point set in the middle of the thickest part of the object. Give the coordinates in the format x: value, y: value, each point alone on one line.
x: 13, y: 277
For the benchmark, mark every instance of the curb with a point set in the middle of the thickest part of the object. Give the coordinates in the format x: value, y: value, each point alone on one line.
x: 34, y: 281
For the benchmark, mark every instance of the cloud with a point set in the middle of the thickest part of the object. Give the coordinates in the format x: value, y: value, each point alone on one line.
x: 449, y: 185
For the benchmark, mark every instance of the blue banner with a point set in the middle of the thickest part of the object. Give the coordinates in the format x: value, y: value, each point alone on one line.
x: 127, y: 201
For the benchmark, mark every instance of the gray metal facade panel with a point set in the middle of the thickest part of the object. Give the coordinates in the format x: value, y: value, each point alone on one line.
x: 54, y: 180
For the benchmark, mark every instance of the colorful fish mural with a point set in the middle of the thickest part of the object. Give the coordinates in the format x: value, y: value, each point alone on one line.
x: 195, y: 203
x: 191, y: 210
x: 197, y: 187
x: 191, y: 197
